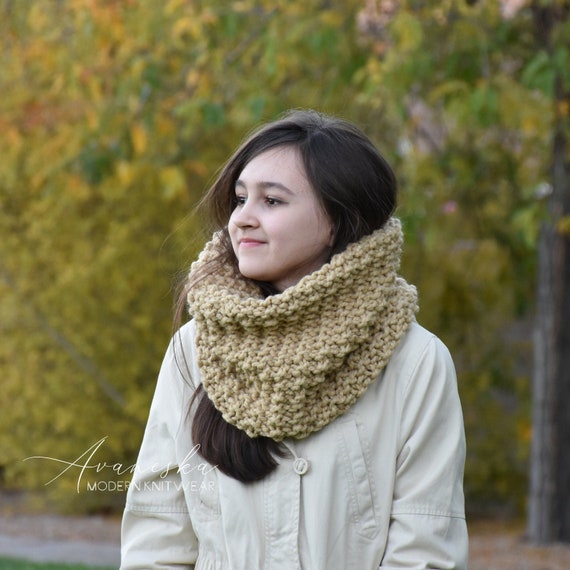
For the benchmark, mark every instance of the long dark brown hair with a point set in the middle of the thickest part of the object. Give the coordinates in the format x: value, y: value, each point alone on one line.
x: 357, y: 189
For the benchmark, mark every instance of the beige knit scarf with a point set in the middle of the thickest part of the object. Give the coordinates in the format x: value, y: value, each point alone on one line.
x: 287, y: 365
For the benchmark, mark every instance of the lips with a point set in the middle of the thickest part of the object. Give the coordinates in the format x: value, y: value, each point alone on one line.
x: 248, y: 242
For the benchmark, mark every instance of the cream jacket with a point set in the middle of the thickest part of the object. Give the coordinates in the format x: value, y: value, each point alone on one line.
x: 379, y: 487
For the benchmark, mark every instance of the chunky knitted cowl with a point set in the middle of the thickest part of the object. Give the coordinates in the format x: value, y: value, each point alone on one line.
x: 286, y: 365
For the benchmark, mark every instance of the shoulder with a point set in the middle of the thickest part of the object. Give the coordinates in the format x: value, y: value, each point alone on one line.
x: 420, y: 357
x: 182, y: 343
x: 185, y: 335
x: 182, y: 350
x: 415, y: 344
x: 417, y: 336
x: 180, y: 362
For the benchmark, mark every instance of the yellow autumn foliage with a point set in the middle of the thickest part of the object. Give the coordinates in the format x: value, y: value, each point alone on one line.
x: 115, y: 116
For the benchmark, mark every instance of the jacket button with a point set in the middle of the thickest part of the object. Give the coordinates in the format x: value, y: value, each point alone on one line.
x: 301, y: 466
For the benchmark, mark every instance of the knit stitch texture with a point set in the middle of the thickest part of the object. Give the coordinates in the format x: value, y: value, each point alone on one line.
x: 286, y: 365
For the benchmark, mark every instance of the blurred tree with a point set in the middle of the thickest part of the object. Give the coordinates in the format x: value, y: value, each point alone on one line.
x: 87, y: 198
x: 464, y: 88
x: 114, y: 114
x: 549, y: 505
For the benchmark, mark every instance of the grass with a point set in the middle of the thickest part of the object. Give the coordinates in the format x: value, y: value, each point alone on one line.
x: 12, y: 564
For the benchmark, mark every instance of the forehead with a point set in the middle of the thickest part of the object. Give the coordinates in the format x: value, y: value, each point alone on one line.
x: 281, y: 164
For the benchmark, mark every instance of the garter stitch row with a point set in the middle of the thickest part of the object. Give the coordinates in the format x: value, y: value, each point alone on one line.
x: 287, y: 365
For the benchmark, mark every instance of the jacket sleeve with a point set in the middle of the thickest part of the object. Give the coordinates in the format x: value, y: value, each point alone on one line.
x: 156, y: 528
x: 427, y: 524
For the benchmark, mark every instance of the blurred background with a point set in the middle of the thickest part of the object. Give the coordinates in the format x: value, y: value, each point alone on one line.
x: 116, y: 114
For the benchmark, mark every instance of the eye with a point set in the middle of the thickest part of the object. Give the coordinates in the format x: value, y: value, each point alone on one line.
x: 240, y: 200
x: 272, y: 201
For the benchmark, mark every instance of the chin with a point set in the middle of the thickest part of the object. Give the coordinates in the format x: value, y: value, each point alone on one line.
x: 250, y: 273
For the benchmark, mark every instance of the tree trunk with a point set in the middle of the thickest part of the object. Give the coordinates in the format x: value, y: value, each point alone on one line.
x: 549, y: 500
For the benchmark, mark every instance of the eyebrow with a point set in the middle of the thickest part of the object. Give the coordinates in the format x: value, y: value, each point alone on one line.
x: 265, y: 185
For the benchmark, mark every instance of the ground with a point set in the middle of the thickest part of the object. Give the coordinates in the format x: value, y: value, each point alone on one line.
x: 495, y: 545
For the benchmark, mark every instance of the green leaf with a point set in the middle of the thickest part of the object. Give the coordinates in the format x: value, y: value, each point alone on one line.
x: 540, y: 73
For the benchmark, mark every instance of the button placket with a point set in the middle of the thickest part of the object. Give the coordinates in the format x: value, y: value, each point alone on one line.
x: 282, y: 505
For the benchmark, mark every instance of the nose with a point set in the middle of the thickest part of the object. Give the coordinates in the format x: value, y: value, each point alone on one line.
x: 244, y: 216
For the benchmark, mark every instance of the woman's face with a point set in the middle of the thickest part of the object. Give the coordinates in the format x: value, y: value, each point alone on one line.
x: 279, y: 231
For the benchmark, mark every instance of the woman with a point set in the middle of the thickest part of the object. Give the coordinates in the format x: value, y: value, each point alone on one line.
x: 302, y: 418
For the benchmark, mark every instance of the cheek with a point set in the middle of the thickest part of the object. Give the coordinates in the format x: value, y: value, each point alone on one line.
x: 232, y: 229
x: 231, y: 224
x: 311, y: 239
x: 233, y: 241
x: 321, y: 229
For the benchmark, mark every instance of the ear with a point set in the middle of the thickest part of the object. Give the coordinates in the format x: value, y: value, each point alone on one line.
x: 331, y: 236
